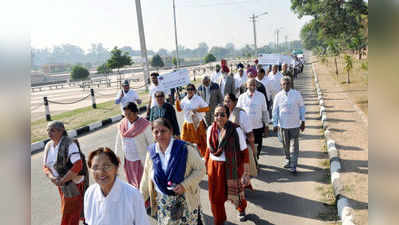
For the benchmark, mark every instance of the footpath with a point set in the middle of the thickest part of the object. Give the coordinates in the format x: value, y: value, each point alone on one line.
x: 348, y: 127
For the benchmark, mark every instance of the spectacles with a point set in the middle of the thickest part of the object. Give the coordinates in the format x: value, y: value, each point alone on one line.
x: 105, y: 168
x: 220, y: 114
x: 163, y: 131
x: 190, y: 89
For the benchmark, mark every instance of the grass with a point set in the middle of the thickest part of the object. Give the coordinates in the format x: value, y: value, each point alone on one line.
x: 84, y: 116
x: 78, y: 118
x: 358, y: 88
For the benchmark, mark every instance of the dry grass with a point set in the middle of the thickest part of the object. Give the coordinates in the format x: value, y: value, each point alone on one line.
x: 357, y: 89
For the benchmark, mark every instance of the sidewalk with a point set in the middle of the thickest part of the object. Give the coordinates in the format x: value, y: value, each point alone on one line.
x: 279, y: 197
x: 349, y: 129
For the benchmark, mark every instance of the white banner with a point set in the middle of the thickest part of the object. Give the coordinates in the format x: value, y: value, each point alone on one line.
x: 174, y: 79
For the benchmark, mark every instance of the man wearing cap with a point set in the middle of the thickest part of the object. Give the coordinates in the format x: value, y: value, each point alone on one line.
x: 215, y: 77
x: 126, y: 95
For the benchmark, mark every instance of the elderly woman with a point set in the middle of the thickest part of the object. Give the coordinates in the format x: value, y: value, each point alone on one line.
x: 194, y: 127
x: 172, y: 172
x: 111, y: 200
x: 64, y: 165
x: 136, y: 136
x: 240, y: 117
x: 165, y: 110
x: 227, y: 165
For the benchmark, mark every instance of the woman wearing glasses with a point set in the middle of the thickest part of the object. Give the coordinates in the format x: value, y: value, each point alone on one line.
x: 194, y: 128
x: 111, y: 200
x: 172, y: 172
x: 165, y: 110
x: 227, y: 163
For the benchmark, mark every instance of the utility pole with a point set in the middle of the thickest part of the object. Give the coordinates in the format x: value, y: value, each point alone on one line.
x: 142, y: 43
x: 277, y: 36
x: 253, y: 20
x: 177, y: 49
x: 286, y: 41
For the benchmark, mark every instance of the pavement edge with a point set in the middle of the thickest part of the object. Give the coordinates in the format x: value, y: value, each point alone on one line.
x: 345, y: 211
x: 37, y: 147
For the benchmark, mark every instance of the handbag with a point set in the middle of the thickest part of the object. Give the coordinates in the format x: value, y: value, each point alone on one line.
x: 70, y: 189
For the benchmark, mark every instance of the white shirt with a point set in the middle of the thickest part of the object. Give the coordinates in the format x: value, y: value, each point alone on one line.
x: 254, y: 107
x: 288, y: 106
x: 164, y: 157
x: 207, y: 90
x: 153, y: 89
x: 53, y: 153
x: 190, y: 104
x: 275, y: 85
x: 136, y: 148
x: 243, y: 122
x: 222, y: 157
x: 215, y: 77
x: 130, y: 96
x: 124, y: 205
x: 240, y: 81
x: 222, y: 83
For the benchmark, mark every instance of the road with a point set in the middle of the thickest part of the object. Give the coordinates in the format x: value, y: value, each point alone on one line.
x: 279, y: 197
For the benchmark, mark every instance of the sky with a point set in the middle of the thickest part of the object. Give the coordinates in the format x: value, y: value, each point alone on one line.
x: 114, y: 23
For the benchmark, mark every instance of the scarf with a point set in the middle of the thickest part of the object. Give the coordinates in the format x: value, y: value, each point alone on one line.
x: 137, y: 127
x: 230, y: 145
x: 176, y: 166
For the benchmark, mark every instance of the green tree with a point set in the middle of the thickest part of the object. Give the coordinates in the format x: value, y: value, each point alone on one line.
x: 157, y: 61
x: 118, y: 60
x: 174, y: 61
x: 104, y: 69
x: 348, y: 66
x: 79, y: 73
x: 209, y: 58
x: 334, y: 50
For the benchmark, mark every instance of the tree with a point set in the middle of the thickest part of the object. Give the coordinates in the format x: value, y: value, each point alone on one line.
x: 118, y: 60
x: 348, y: 66
x: 334, y: 50
x: 79, y: 73
x: 157, y: 61
x: 104, y: 69
x: 209, y: 58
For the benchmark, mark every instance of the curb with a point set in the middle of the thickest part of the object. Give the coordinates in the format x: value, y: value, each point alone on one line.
x: 37, y: 147
x: 344, y: 209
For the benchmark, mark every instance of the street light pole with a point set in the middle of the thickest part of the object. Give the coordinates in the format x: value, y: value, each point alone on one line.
x: 142, y: 42
x: 177, y: 49
x: 253, y: 20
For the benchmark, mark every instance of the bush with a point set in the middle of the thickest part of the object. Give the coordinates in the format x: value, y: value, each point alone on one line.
x: 209, y: 58
x: 365, y: 65
x: 79, y: 73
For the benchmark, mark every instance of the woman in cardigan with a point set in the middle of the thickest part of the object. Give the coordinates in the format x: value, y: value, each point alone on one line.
x: 227, y: 166
x: 64, y: 167
x: 136, y: 136
x: 194, y: 128
x: 172, y: 172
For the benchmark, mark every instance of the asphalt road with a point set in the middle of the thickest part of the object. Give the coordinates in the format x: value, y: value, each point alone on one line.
x: 279, y: 197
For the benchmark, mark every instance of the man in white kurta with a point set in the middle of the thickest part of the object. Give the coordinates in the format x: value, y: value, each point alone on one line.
x: 126, y: 95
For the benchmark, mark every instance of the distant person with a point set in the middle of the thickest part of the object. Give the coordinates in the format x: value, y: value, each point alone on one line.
x: 267, y: 85
x: 210, y: 93
x: 110, y: 200
x: 194, y: 127
x: 241, y: 79
x: 288, y: 119
x: 172, y: 173
x: 165, y: 110
x: 136, y: 135
x: 65, y: 167
x: 215, y: 77
x: 286, y: 72
x: 227, y: 82
x: 274, y: 78
x: 126, y: 95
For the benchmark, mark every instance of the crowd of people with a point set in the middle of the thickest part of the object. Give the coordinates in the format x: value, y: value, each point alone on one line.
x: 225, y: 121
